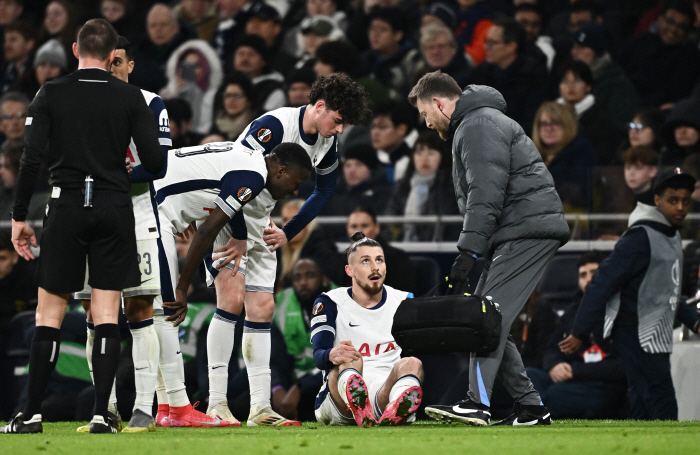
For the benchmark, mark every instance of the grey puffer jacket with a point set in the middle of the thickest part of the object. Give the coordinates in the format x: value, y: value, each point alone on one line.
x: 504, y: 191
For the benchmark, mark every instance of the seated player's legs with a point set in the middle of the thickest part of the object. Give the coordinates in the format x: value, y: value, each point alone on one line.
x: 401, y: 394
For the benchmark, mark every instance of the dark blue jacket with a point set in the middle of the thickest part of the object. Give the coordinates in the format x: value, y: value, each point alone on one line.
x: 572, y: 170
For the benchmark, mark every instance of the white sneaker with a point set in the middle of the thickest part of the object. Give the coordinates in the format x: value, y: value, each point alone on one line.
x: 221, y: 411
x: 266, y: 417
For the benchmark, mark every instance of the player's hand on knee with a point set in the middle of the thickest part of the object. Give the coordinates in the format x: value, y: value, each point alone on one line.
x: 344, y: 352
x: 179, y: 306
x: 234, y: 250
x: 274, y: 237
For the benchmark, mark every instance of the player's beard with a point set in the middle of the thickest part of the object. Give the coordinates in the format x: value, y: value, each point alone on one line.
x: 371, y: 287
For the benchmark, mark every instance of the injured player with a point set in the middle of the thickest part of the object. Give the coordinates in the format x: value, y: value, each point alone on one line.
x: 364, y: 374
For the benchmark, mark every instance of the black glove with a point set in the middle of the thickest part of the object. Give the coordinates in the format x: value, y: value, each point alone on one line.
x: 462, y: 266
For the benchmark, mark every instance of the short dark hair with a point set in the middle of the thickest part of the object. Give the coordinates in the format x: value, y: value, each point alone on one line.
x: 591, y: 6
x: 580, y: 69
x: 17, y: 97
x: 124, y: 43
x: 24, y: 28
x: 399, y: 113
x: 513, y: 31
x: 179, y: 111
x: 237, y: 78
x: 391, y: 15
x: 342, y: 56
x: 341, y: 94
x: 13, y: 153
x: 97, y: 39
x: 590, y: 257
x: 366, y: 209
x: 682, y: 7
x: 433, y: 84
x: 640, y: 154
x: 6, y: 240
x: 290, y: 154
x: 528, y: 8
x: 358, y: 240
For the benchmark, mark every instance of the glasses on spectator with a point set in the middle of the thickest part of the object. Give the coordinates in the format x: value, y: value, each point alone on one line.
x: 551, y: 124
x: 636, y: 126
x: 238, y: 96
x: 670, y: 21
x: 18, y: 115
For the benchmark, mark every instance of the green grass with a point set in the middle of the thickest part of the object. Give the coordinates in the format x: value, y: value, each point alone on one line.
x: 563, y: 437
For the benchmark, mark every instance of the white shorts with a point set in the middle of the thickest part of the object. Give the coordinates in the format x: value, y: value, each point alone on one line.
x: 328, y: 414
x: 150, y: 273
x: 260, y: 265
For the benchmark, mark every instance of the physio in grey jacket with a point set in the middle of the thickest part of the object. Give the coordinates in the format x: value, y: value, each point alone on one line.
x: 512, y: 216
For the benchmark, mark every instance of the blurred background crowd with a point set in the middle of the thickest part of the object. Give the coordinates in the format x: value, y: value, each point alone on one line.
x: 608, y: 91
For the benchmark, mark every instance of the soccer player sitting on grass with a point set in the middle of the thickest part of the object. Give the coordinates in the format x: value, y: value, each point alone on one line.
x: 364, y: 374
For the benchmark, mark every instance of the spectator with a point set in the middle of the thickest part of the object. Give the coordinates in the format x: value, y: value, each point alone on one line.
x: 18, y: 46
x: 312, y: 242
x: 61, y: 23
x: 403, y: 273
x: 681, y: 134
x: 564, y: 24
x: 474, y: 19
x: 299, y: 84
x: 194, y: 74
x: 18, y: 292
x: 180, y: 118
x: 233, y: 15
x: 664, y: 67
x: 265, y: 21
x: 612, y: 88
x: 645, y: 129
x: 391, y: 124
x: 313, y: 33
x: 49, y: 63
x: 637, y: 298
x: 164, y: 35
x: 519, y: 76
x: 13, y: 114
x: 9, y: 169
x: 391, y: 60
x: 294, y: 394
x: 566, y: 153
x: 441, y: 52
x: 251, y: 58
x: 201, y: 15
x: 363, y: 182
x: 10, y: 11
x: 118, y: 13
x: 328, y: 9
x: 589, y: 382
x: 233, y: 106
x: 441, y: 13
x: 640, y: 169
x: 575, y: 86
x: 426, y: 189
x: 529, y: 16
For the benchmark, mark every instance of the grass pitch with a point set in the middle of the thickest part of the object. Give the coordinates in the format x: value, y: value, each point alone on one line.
x: 424, y: 438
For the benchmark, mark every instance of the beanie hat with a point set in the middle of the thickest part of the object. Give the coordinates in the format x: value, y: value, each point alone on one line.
x: 364, y: 153
x: 51, y: 52
x: 444, y: 12
x: 256, y: 43
x: 592, y: 35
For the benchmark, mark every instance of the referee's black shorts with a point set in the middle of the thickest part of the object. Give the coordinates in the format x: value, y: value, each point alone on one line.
x: 103, y: 233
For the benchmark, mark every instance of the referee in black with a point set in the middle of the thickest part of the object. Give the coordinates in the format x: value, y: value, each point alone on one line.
x: 87, y: 118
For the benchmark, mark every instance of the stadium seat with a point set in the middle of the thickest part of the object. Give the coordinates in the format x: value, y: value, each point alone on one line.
x: 560, y: 281
x: 427, y: 273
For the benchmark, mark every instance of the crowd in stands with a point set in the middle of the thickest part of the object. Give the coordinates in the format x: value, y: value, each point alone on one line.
x: 609, y: 93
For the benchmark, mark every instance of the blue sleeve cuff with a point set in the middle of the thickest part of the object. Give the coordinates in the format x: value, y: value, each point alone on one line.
x: 323, y: 192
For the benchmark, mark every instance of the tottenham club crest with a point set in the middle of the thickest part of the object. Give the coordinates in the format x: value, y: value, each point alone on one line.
x: 264, y: 135
x: 244, y: 194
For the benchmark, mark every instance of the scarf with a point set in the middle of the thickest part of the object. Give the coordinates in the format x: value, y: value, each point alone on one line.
x: 417, y: 197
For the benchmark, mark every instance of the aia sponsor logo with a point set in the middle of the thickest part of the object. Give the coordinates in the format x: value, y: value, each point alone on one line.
x: 366, y: 352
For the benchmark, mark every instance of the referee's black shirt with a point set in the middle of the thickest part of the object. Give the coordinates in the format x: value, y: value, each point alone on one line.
x: 88, y: 118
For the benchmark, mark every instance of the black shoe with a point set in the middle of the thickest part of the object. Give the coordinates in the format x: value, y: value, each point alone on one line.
x: 527, y: 415
x: 465, y: 411
x: 98, y: 425
x: 17, y: 425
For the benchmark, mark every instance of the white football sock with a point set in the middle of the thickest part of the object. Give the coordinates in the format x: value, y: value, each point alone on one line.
x: 256, y: 354
x: 401, y: 385
x: 161, y: 394
x: 219, y: 348
x: 112, y: 404
x: 171, y: 366
x: 343, y: 382
x: 146, y: 355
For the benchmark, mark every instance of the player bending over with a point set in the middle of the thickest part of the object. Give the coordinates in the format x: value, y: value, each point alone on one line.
x: 364, y: 374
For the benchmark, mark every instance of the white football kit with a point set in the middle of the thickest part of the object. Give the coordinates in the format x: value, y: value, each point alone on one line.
x: 369, y: 330
x: 146, y: 227
x: 199, y: 179
x: 263, y: 134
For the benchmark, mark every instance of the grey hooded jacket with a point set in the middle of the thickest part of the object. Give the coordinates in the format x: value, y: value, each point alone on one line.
x: 504, y: 190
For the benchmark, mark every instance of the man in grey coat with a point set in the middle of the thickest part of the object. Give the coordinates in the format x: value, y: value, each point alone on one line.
x: 512, y: 216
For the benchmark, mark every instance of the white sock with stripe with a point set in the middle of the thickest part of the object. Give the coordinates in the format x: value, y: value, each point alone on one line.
x: 256, y: 354
x: 219, y: 348
x: 146, y: 355
x: 171, y: 366
x: 403, y: 383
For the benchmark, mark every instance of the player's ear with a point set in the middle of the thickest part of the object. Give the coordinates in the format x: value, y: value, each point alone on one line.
x: 320, y: 104
x: 131, y: 66
x: 75, y: 50
x: 348, y: 270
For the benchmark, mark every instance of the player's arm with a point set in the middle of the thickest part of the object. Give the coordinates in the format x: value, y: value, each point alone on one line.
x: 160, y: 115
x: 326, y: 178
x: 146, y: 138
x: 323, y: 319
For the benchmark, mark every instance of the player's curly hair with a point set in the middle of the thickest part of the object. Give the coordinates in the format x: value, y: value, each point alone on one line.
x: 342, y: 94
x: 358, y: 240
